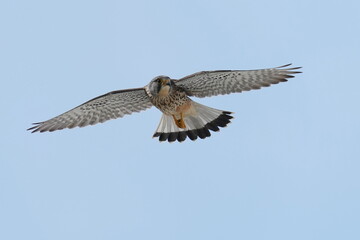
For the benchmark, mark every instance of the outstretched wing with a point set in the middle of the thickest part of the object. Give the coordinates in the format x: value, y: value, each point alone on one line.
x: 212, y: 83
x: 112, y: 105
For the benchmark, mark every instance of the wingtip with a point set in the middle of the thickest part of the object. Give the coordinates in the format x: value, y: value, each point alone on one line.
x: 292, y: 68
x: 286, y: 65
x: 35, y: 128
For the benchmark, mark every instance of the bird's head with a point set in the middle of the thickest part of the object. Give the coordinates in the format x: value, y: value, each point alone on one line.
x: 160, y: 86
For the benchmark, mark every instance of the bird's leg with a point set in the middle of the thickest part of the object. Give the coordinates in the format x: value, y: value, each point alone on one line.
x: 179, y: 122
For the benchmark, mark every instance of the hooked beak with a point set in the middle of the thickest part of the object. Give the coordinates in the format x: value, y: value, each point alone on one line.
x: 165, y: 82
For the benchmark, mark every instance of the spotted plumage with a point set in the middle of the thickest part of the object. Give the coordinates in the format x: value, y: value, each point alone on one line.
x: 182, y: 117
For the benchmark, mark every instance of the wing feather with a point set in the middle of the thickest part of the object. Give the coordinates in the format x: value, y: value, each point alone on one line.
x: 212, y: 83
x: 111, y: 105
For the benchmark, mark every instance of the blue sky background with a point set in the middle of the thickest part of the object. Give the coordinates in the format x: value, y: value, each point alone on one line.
x: 286, y: 168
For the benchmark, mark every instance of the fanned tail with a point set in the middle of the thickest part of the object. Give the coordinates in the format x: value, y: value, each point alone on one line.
x: 197, y: 124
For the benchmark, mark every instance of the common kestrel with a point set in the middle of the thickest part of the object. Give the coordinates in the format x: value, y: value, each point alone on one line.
x: 182, y: 117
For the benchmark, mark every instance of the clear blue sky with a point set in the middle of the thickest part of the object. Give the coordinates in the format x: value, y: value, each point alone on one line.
x: 286, y: 168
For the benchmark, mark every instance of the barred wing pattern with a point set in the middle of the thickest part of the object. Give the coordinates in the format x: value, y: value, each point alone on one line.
x: 112, y: 105
x: 212, y: 83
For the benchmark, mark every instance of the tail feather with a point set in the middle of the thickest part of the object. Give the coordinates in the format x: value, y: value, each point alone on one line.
x: 198, y: 124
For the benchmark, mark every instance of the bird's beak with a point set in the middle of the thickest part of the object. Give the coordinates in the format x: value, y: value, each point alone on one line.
x: 165, y: 82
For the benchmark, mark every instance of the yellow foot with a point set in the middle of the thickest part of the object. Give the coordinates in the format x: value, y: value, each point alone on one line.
x: 179, y: 122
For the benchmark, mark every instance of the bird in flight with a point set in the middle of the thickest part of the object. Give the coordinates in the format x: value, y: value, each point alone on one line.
x: 182, y: 117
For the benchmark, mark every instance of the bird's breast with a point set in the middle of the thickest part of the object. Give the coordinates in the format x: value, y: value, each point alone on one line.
x: 170, y: 103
